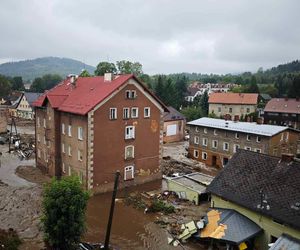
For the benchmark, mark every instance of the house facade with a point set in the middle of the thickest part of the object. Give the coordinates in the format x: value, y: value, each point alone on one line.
x: 232, y: 105
x: 283, y: 111
x: 263, y: 188
x: 174, y: 126
x: 214, y: 141
x: 24, y: 107
x: 3, y: 119
x: 94, y: 126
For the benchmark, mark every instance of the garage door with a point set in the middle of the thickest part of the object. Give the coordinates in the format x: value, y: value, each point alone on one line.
x: 171, y: 129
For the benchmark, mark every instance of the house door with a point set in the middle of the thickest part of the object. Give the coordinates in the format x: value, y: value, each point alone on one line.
x: 225, y: 161
x: 214, y: 161
x: 128, y: 173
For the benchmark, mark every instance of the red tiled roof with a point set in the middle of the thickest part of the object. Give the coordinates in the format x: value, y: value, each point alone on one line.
x: 283, y: 105
x: 85, y: 95
x: 233, y: 98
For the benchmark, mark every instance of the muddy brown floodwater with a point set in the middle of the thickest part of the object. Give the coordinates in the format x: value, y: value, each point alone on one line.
x: 131, y: 228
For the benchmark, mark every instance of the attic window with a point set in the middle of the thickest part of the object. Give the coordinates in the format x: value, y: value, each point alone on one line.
x: 130, y: 94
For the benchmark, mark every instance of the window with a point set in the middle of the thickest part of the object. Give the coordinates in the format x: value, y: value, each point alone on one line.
x: 258, y: 139
x: 230, y: 110
x: 63, y: 128
x: 248, y: 110
x: 197, y: 129
x: 204, y: 141
x: 146, y: 112
x: 128, y: 173
x: 286, y: 136
x: 196, y: 140
x: 219, y: 109
x: 70, y: 170
x: 237, y: 136
x: 39, y: 153
x: 81, y: 176
x: 215, y: 132
x: 204, y: 156
x: 134, y: 112
x: 44, y: 122
x: 63, y: 167
x: 282, y: 134
x: 45, y: 156
x: 205, y: 130
x: 258, y: 150
x: 215, y: 144
x: 126, y: 113
x: 79, y: 155
x: 38, y: 122
x: 63, y: 147
x: 196, y: 153
x: 44, y: 139
x: 129, y: 132
x: 129, y: 152
x: 69, y: 151
x: 69, y: 130
x: 248, y: 137
x: 113, y: 113
x: 248, y: 148
x: 38, y: 138
x: 80, y: 133
x: 226, y: 146
x: 130, y: 94
x: 236, y: 147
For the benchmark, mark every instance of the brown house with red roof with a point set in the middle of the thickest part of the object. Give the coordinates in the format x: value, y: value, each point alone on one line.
x: 232, y: 105
x: 283, y: 111
x: 94, y: 126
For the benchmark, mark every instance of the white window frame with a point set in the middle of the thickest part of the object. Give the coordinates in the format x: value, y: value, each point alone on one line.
x: 196, y: 140
x: 63, y: 148
x: 215, y: 132
x: 63, y: 168
x: 204, y: 142
x: 257, y: 150
x: 80, y: 176
x: 146, y: 112
x: 205, y: 130
x: 235, y: 147
x: 113, y: 114
x: 224, y: 147
x: 258, y: 139
x: 287, y: 136
x: 196, y: 129
x: 213, y: 142
x: 136, y: 112
x: 80, y: 155
x: 45, y: 156
x: 70, y: 130
x: 204, y: 156
x: 129, y: 168
x: 130, y: 94
x: 129, y: 132
x: 237, y: 136
x: 69, y: 150
x: 44, y: 122
x: 80, y: 133
x: 196, y: 153
x: 39, y: 153
x: 248, y: 137
x: 126, y: 148
x: 63, y: 129
x: 44, y: 140
x: 38, y: 122
x: 38, y: 137
x: 126, y: 113
x: 248, y: 148
x: 69, y: 170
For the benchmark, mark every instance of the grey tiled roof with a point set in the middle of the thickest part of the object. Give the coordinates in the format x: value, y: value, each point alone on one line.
x: 247, y: 173
x: 286, y: 242
x: 172, y: 115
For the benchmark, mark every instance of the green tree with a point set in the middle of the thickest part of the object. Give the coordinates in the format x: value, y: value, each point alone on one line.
x: 294, y: 90
x: 181, y: 89
x: 84, y: 73
x: 5, y: 86
x: 105, y: 67
x: 17, y: 83
x: 159, y: 86
x: 64, y: 204
x: 48, y: 81
x: 204, y: 103
x: 192, y: 113
x: 127, y: 67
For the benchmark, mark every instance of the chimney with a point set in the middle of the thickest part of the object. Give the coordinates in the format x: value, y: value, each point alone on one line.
x: 236, y: 118
x: 287, y: 158
x: 108, y: 77
x: 259, y: 120
x: 73, y: 79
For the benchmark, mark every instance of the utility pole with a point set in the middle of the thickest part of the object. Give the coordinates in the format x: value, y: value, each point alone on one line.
x: 111, y: 212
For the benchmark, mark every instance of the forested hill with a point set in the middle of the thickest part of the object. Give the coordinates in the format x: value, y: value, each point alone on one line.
x: 30, y: 69
x: 291, y: 67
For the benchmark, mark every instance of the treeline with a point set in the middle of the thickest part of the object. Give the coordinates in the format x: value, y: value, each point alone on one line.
x: 9, y: 84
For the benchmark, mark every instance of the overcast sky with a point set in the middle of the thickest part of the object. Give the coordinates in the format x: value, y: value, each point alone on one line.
x: 166, y: 36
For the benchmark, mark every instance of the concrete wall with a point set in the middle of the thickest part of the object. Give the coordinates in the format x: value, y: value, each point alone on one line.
x: 179, y: 136
x: 237, y: 109
x: 191, y: 195
x: 284, y: 142
x: 269, y: 226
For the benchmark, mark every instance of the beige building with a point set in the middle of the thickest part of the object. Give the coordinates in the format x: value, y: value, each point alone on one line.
x: 265, y: 189
x: 214, y: 141
x: 24, y: 107
x: 232, y: 105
